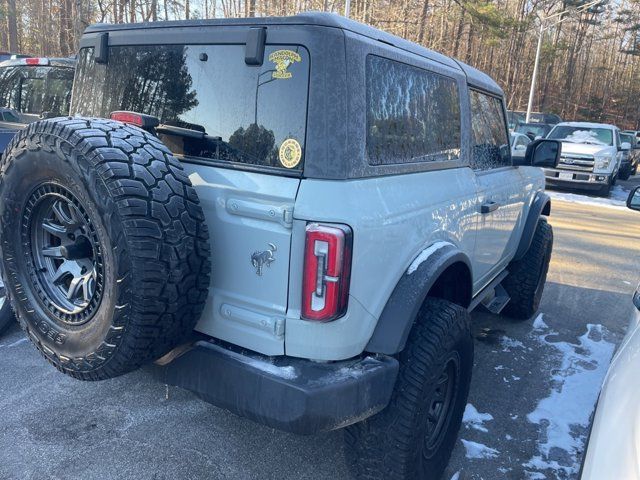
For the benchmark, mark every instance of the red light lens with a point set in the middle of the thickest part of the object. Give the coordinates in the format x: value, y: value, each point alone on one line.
x: 127, y: 117
x: 327, y: 265
x: 36, y: 61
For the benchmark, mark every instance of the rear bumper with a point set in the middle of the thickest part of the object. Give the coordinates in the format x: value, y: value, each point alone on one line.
x: 290, y: 394
x: 581, y: 180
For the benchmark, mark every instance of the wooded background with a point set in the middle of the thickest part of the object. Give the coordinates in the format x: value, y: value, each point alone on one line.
x: 590, y: 63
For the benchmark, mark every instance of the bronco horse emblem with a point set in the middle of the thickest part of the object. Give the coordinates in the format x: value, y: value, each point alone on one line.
x: 260, y: 259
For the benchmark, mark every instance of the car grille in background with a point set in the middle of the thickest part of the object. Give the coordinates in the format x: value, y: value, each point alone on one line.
x: 582, y: 163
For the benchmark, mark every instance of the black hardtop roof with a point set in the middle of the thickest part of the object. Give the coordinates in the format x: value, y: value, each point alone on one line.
x: 474, y: 76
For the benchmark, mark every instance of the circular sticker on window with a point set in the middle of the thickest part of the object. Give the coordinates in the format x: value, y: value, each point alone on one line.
x: 290, y: 153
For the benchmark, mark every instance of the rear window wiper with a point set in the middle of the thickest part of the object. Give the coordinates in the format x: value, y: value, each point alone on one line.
x: 185, y: 132
x: 152, y: 124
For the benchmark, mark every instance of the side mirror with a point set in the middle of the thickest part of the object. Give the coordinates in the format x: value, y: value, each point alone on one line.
x: 543, y: 153
x: 633, y: 202
x: 625, y: 146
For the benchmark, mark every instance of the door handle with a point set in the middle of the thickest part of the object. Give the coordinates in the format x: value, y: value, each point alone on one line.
x: 489, y: 207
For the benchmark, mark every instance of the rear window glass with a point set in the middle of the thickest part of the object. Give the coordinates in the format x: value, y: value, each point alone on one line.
x: 413, y: 115
x: 36, y: 90
x: 240, y: 113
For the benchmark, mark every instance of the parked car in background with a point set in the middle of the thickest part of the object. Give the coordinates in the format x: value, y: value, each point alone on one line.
x: 635, y: 133
x: 629, y: 156
x: 541, y: 117
x: 519, y: 143
x: 10, y: 56
x: 613, y: 450
x: 514, y: 119
x: 590, y: 160
x: 31, y: 89
x: 534, y: 130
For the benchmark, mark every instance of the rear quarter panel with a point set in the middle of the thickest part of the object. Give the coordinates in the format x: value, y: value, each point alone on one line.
x: 393, y: 219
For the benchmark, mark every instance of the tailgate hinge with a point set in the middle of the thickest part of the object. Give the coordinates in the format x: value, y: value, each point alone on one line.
x: 278, y: 328
x: 287, y: 216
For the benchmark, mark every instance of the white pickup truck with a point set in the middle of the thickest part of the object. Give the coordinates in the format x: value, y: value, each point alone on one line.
x: 591, y: 155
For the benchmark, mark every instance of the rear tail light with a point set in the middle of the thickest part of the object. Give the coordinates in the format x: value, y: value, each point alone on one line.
x: 138, y: 119
x: 327, y: 270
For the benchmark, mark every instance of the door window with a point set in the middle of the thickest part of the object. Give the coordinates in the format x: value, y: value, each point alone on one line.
x: 489, y: 132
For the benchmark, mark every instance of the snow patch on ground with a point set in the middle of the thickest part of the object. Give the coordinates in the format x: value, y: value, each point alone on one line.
x: 539, y: 323
x: 534, y: 475
x: 510, y: 343
x: 456, y: 476
x: 617, y: 198
x: 16, y: 343
x: 564, y: 415
x: 478, y: 450
x: 474, y: 419
x: 424, y: 255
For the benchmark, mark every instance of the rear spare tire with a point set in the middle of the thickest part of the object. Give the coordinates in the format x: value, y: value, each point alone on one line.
x: 105, y: 253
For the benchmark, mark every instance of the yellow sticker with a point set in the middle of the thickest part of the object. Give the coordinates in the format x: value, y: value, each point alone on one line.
x: 282, y: 59
x: 290, y: 153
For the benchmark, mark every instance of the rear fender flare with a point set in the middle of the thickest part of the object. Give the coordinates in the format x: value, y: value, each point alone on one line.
x: 397, y: 318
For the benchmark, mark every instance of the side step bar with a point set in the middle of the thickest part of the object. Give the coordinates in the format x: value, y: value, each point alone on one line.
x: 493, y: 297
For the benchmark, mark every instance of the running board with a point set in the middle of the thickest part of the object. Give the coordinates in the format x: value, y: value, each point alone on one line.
x: 494, y: 297
x: 496, y: 302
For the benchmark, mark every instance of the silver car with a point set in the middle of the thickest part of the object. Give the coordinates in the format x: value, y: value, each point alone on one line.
x: 614, y: 448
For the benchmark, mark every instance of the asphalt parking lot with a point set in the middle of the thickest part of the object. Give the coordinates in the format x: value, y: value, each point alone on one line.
x: 133, y: 428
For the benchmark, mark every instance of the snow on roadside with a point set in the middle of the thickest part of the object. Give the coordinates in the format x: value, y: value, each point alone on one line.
x: 478, y: 450
x: 617, y: 198
x: 474, y: 419
x: 564, y: 415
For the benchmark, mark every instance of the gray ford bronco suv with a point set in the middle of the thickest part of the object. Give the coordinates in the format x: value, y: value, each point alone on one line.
x: 291, y: 217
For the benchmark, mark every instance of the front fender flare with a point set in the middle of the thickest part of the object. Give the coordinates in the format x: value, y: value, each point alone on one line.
x: 396, y: 320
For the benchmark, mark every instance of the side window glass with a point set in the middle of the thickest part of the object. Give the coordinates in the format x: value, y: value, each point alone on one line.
x: 489, y: 133
x: 413, y: 115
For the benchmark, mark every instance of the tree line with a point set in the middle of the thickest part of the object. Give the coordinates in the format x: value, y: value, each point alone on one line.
x: 589, y: 67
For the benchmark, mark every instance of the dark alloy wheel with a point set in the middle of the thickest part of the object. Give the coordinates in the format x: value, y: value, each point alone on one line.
x: 105, y: 252
x: 440, y: 407
x: 66, y: 254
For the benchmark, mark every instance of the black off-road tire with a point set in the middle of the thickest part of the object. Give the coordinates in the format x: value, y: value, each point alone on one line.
x: 625, y: 173
x: 137, y: 222
x: 527, y: 276
x: 396, y: 444
x: 605, y: 190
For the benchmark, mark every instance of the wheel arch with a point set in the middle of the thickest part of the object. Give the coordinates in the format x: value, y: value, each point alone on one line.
x: 446, y: 273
